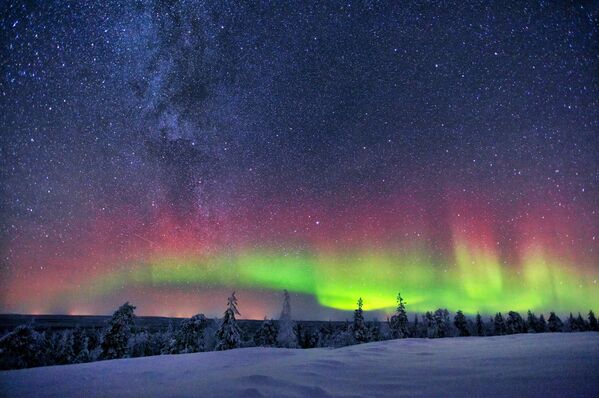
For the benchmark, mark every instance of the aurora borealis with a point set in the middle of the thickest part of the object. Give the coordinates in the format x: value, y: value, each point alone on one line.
x: 167, y: 153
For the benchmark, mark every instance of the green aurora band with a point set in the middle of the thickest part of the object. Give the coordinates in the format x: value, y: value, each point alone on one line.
x: 477, y: 281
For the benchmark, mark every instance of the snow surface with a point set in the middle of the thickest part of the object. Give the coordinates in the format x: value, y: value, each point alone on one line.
x: 541, y: 365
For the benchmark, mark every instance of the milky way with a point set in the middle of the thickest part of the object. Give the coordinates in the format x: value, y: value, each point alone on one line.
x: 168, y: 152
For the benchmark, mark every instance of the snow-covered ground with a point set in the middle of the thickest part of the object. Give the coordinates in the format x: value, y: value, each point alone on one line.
x: 544, y: 365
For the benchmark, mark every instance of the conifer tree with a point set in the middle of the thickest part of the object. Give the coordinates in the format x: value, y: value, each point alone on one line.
x: 554, y: 324
x: 532, y: 322
x: 479, y: 325
x: 581, y: 324
x: 431, y: 325
x: 306, y: 338
x: 571, y: 324
x: 140, y: 345
x: 415, y: 327
x: 441, y: 318
x: 593, y: 322
x: 399, y: 322
x: 359, y: 330
x: 116, y: 335
x: 21, y: 348
x: 190, y: 336
x: 499, y: 324
x: 228, y: 335
x: 266, y: 335
x: 461, y: 323
x: 286, y: 336
x: 514, y: 323
x: 81, y: 344
x: 374, y: 331
x: 325, y: 334
x: 65, y: 352
x: 542, y: 324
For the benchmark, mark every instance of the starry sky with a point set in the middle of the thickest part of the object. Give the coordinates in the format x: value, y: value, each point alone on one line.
x: 168, y: 152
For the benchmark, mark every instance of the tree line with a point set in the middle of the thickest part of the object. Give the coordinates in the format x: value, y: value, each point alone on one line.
x: 25, y: 347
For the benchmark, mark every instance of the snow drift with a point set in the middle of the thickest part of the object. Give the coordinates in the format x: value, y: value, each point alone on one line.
x: 534, y: 365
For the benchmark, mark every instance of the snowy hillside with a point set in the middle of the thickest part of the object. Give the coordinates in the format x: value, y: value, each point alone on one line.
x: 542, y: 365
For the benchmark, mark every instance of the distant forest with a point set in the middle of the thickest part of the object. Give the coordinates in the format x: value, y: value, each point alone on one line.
x: 27, y: 346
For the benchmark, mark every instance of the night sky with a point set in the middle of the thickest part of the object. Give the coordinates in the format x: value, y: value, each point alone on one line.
x: 167, y: 153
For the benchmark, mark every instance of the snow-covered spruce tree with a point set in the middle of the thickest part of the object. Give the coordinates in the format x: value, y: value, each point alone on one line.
x: 343, y: 337
x: 374, y: 331
x: 571, y: 325
x: 190, y: 336
x: 160, y: 343
x: 21, y: 348
x: 583, y: 326
x: 266, y: 335
x: 431, y: 326
x: 116, y: 335
x: 286, y: 337
x: 532, y: 322
x: 359, y: 329
x: 65, y: 352
x: 325, y: 334
x: 514, y: 323
x: 542, y: 324
x: 139, y: 345
x: 420, y: 327
x: 80, y: 346
x: 499, y: 327
x: 415, y: 326
x: 228, y: 335
x: 49, y: 347
x: 306, y: 338
x: 94, y: 339
x: 169, y: 345
x: 554, y: 324
x: 399, y: 323
x: 576, y: 324
x: 479, y: 326
x: 95, y: 344
x: 82, y: 350
x: 210, y: 334
x: 441, y: 318
x: 593, y: 326
x: 461, y: 323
